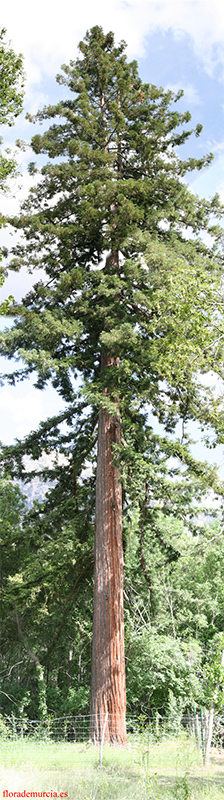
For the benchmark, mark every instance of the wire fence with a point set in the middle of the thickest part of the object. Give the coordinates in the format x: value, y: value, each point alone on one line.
x: 80, y: 728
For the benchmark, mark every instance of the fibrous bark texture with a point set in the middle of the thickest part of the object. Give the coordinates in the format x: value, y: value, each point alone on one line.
x: 108, y: 693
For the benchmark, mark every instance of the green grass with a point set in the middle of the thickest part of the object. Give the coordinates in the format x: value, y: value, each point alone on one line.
x: 144, y: 770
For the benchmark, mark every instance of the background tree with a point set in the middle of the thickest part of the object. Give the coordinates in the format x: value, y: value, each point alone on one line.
x: 137, y: 326
x: 12, y: 508
x: 11, y: 98
x: 47, y: 600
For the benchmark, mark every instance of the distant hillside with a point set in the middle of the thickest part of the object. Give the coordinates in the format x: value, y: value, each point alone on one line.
x: 37, y: 488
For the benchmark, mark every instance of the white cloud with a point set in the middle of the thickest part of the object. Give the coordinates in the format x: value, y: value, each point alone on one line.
x: 221, y: 191
x: 22, y: 409
x: 22, y: 415
x: 48, y: 34
x: 190, y: 92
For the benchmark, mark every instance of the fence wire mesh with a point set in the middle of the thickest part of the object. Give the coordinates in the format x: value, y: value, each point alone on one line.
x: 78, y: 728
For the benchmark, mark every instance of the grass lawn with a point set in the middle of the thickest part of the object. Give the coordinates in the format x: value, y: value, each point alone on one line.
x: 143, y: 770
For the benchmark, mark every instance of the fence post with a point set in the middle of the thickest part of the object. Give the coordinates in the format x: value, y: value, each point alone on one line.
x: 102, y: 739
x: 197, y: 731
x: 209, y: 735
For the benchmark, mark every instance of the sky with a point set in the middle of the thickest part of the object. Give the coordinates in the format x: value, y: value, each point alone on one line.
x: 179, y: 44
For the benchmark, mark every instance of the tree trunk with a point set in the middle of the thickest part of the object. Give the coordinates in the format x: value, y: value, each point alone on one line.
x: 108, y: 693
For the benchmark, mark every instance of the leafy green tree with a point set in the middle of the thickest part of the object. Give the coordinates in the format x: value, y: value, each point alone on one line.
x: 12, y: 508
x: 11, y: 98
x: 162, y: 672
x: 173, y: 590
x: 46, y: 628
x: 130, y: 307
x: 11, y: 82
x: 195, y: 588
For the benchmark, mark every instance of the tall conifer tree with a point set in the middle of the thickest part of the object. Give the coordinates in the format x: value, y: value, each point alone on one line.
x: 127, y: 302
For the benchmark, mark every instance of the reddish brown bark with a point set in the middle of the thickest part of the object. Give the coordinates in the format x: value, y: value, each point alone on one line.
x: 108, y: 693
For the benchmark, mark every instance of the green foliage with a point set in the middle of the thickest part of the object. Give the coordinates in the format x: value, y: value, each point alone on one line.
x: 3, y: 728
x: 12, y: 506
x: 159, y: 669
x: 116, y: 143
x: 47, y: 595
x: 11, y: 82
x: 182, y: 790
x: 11, y: 99
x: 114, y: 183
x: 214, y: 673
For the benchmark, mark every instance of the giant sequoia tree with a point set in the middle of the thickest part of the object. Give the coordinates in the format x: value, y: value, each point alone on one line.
x: 127, y: 306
